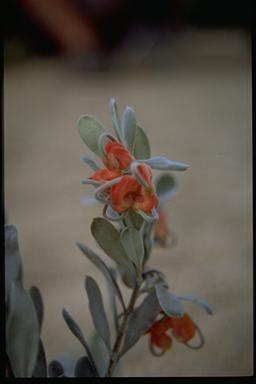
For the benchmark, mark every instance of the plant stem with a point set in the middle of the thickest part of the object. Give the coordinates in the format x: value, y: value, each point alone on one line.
x: 122, y: 329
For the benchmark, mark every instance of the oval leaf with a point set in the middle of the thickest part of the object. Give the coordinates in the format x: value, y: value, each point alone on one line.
x: 141, y: 148
x: 141, y: 320
x: 133, y: 244
x: 169, y: 303
x: 197, y: 300
x: 165, y: 187
x: 74, y: 328
x: 97, y: 310
x: 90, y: 130
x: 99, y: 263
x: 83, y: 368
x: 108, y: 238
x: 129, y: 128
x: 162, y: 163
x: 13, y: 264
x: 22, y: 332
x: 38, y: 303
x: 56, y: 369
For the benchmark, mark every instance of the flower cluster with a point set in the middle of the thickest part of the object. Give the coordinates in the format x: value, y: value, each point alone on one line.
x: 126, y: 192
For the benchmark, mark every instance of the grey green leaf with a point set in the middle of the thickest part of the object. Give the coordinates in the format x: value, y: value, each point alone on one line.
x: 84, y: 368
x: 170, y: 304
x: 99, y: 263
x: 129, y: 128
x: 38, y: 303
x: 90, y: 130
x: 132, y: 242
x: 13, y: 263
x: 97, y: 310
x: 74, y: 328
x: 22, y: 332
x: 164, y: 164
x: 141, y: 320
x: 165, y: 187
x: 197, y: 300
x: 141, y: 148
x: 108, y: 238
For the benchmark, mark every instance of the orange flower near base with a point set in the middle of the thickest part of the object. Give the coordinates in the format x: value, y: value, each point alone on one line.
x: 130, y: 194
x: 183, y: 329
x: 117, y: 156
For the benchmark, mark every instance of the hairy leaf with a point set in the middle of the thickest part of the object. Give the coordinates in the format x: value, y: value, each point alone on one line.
x: 56, y: 369
x: 115, y: 119
x: 132, y: 242
x: 38, y: 303
x: 41, y: 363
x: 197, y: 300
x: 84, y: 368
x: 108, y: 238
x: 97, y: 310
x: 99, y: 263
x: 90, y: 130
x: 165, y: 187
x: 94, y: 166
x: 170, y: 304
x: 129, y: 128
x: 141, y: 146
x: 141, y: 320
x: 74, y: 328
x: 22, y: 332
x: 162, y: 163
x: 13, y: 263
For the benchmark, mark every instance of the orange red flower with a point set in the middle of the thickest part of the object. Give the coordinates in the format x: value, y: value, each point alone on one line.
x: 104, y: 175
x: 117, y: 156
x: 183, y: 329
x: 130, y: 194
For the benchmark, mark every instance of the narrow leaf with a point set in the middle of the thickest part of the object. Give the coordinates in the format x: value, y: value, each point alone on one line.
x: 99, y: 263
x: 169, y: 303
x: 38, y: 303
x: 94, y: 166
x: 162, y: 163
x: 108, y: 238
x: 74, y: 328
x: 41, y: 363
x: 115, y: 119
x: 13, y: 263
x: 129, y: 128
x: 84, y: 368
x: 133, y: 244
x: 141, y: 148
x: 97, y: 310
x: 165, y: 187
x: 22, y: 332
x: 197, y: 300
x: 141, y: 320
x: 100, y: 353
x: 90, y: 130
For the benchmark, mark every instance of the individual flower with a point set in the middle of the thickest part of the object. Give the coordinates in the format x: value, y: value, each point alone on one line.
x: 116, y: 156
x: 183, y: 330
x: 128, y: 193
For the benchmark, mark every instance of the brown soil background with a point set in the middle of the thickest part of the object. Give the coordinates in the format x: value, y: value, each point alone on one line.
x: 197, y: 109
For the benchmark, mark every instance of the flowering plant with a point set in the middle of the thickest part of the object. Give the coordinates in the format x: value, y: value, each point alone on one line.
x: 132, y: 221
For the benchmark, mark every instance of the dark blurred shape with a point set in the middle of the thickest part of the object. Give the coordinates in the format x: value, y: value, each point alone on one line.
x: 86, y: 27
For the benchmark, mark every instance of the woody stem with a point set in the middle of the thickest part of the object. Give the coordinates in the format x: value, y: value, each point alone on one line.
x: 122, y: 330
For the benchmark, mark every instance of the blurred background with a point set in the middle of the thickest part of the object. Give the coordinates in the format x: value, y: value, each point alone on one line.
x: 185, y: 68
